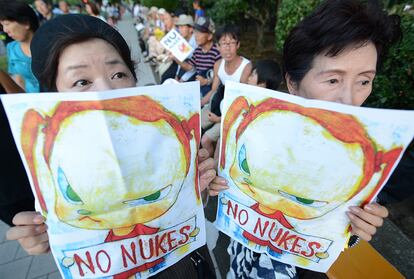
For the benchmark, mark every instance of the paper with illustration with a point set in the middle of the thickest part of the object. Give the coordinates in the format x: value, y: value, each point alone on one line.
x: 115, y: 175
x: 294, y: 167
x: 179, y: 47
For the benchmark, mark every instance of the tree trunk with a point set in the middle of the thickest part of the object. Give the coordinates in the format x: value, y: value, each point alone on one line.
x: 260, y: 29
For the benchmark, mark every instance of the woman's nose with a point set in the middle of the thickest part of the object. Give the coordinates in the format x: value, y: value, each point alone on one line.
x: 102, y: 85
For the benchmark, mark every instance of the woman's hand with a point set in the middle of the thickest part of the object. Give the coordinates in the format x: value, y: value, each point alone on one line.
x: 206, y: 168
x: 217, y: 185
x: 366, y: 220
x: 31, y: 232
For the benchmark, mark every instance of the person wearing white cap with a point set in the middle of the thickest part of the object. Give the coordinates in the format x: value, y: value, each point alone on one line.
x: 161, y: 13
x: 185, y: 27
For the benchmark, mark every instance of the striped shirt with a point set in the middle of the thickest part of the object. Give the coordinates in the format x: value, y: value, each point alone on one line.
x: 204, y: 61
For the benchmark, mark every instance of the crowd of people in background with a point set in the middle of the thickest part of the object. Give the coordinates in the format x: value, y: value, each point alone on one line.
x: 214, y: 62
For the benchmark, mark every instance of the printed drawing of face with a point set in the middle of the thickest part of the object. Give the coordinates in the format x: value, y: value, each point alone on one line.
x: 308, y: 171
x: 135, y: 163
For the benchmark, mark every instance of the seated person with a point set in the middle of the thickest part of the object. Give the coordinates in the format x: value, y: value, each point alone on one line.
x: 204, y: 56
x: 265, y: 73
x: 231, y: 67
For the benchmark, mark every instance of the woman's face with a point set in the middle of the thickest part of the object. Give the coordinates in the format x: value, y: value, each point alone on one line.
x: 18, y: 31
x: 346, y: 78
x: 93, y: 65
x: 89, y: 9
x: 228, y: 47
x: 42, y: 8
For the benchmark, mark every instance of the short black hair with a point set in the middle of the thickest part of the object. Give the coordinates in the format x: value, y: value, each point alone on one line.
x: 228, y: 30
x: 19, y: 12
x: 269, y: 73
x: 55, y: 35
x: 47, y: 2
x: 334, y: 26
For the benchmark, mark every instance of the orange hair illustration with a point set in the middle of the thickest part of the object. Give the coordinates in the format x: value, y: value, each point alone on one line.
x: 141, y: 108
x: 343, y: 127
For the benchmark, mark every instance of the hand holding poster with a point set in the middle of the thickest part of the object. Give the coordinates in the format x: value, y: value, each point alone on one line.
x: 115, y: 174
x: 177, y: 45
x: 295, y: 166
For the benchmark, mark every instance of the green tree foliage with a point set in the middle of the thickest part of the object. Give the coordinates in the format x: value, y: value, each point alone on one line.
x: 289, y: 14
x: 169, y: 5
x: 261, y: 12
x: 394, y: 85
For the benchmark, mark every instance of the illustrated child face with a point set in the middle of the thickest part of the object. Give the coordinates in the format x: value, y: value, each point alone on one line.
x: 145, y: 185
x: 346, y: 78
x: 299, y: 188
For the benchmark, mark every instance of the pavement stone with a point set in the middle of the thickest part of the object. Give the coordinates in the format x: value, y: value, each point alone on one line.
x: 143, y: 70
x: 8, y: 251
x: 395, y: 247
x: 54, y: 275
x: 42, y: 265
x: 21, y: 253
x: 16, y: 269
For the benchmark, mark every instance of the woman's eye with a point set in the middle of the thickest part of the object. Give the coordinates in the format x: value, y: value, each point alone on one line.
x: 81, y: 83
x: 365, y: 82
x: 333, y: 81
x: 243, y: 165
x: 119, y: 75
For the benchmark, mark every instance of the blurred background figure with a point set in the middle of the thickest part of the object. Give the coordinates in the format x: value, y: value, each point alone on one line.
x: 20, y: 22
x: 64, y: 7
x: 198, y: 10
x: 44, y: 8
x: 93, y: 10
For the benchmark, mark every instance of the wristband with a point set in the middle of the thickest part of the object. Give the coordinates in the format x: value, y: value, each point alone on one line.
x: 353, y: 240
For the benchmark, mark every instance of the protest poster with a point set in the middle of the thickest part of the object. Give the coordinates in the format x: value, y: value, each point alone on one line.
x: 115, y: 175
x: 295, y: 165
x: 177, y: 45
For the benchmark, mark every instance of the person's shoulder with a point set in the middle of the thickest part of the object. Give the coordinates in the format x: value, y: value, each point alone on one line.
x: 245, y: 60
x: 13, y: 49
x: 12, y: 45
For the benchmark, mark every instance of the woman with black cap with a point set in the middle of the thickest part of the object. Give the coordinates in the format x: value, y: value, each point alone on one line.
x: 83, y: 53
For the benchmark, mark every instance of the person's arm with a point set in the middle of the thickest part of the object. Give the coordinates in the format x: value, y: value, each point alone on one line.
x: 214, y: 86
x: 246, y: 73
x: 9, y: 84
x: 19, y: 80
x: 213, y: 117
x: 184, y: 65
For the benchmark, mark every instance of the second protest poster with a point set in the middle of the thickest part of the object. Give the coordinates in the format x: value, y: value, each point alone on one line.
x: 294, y: 167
